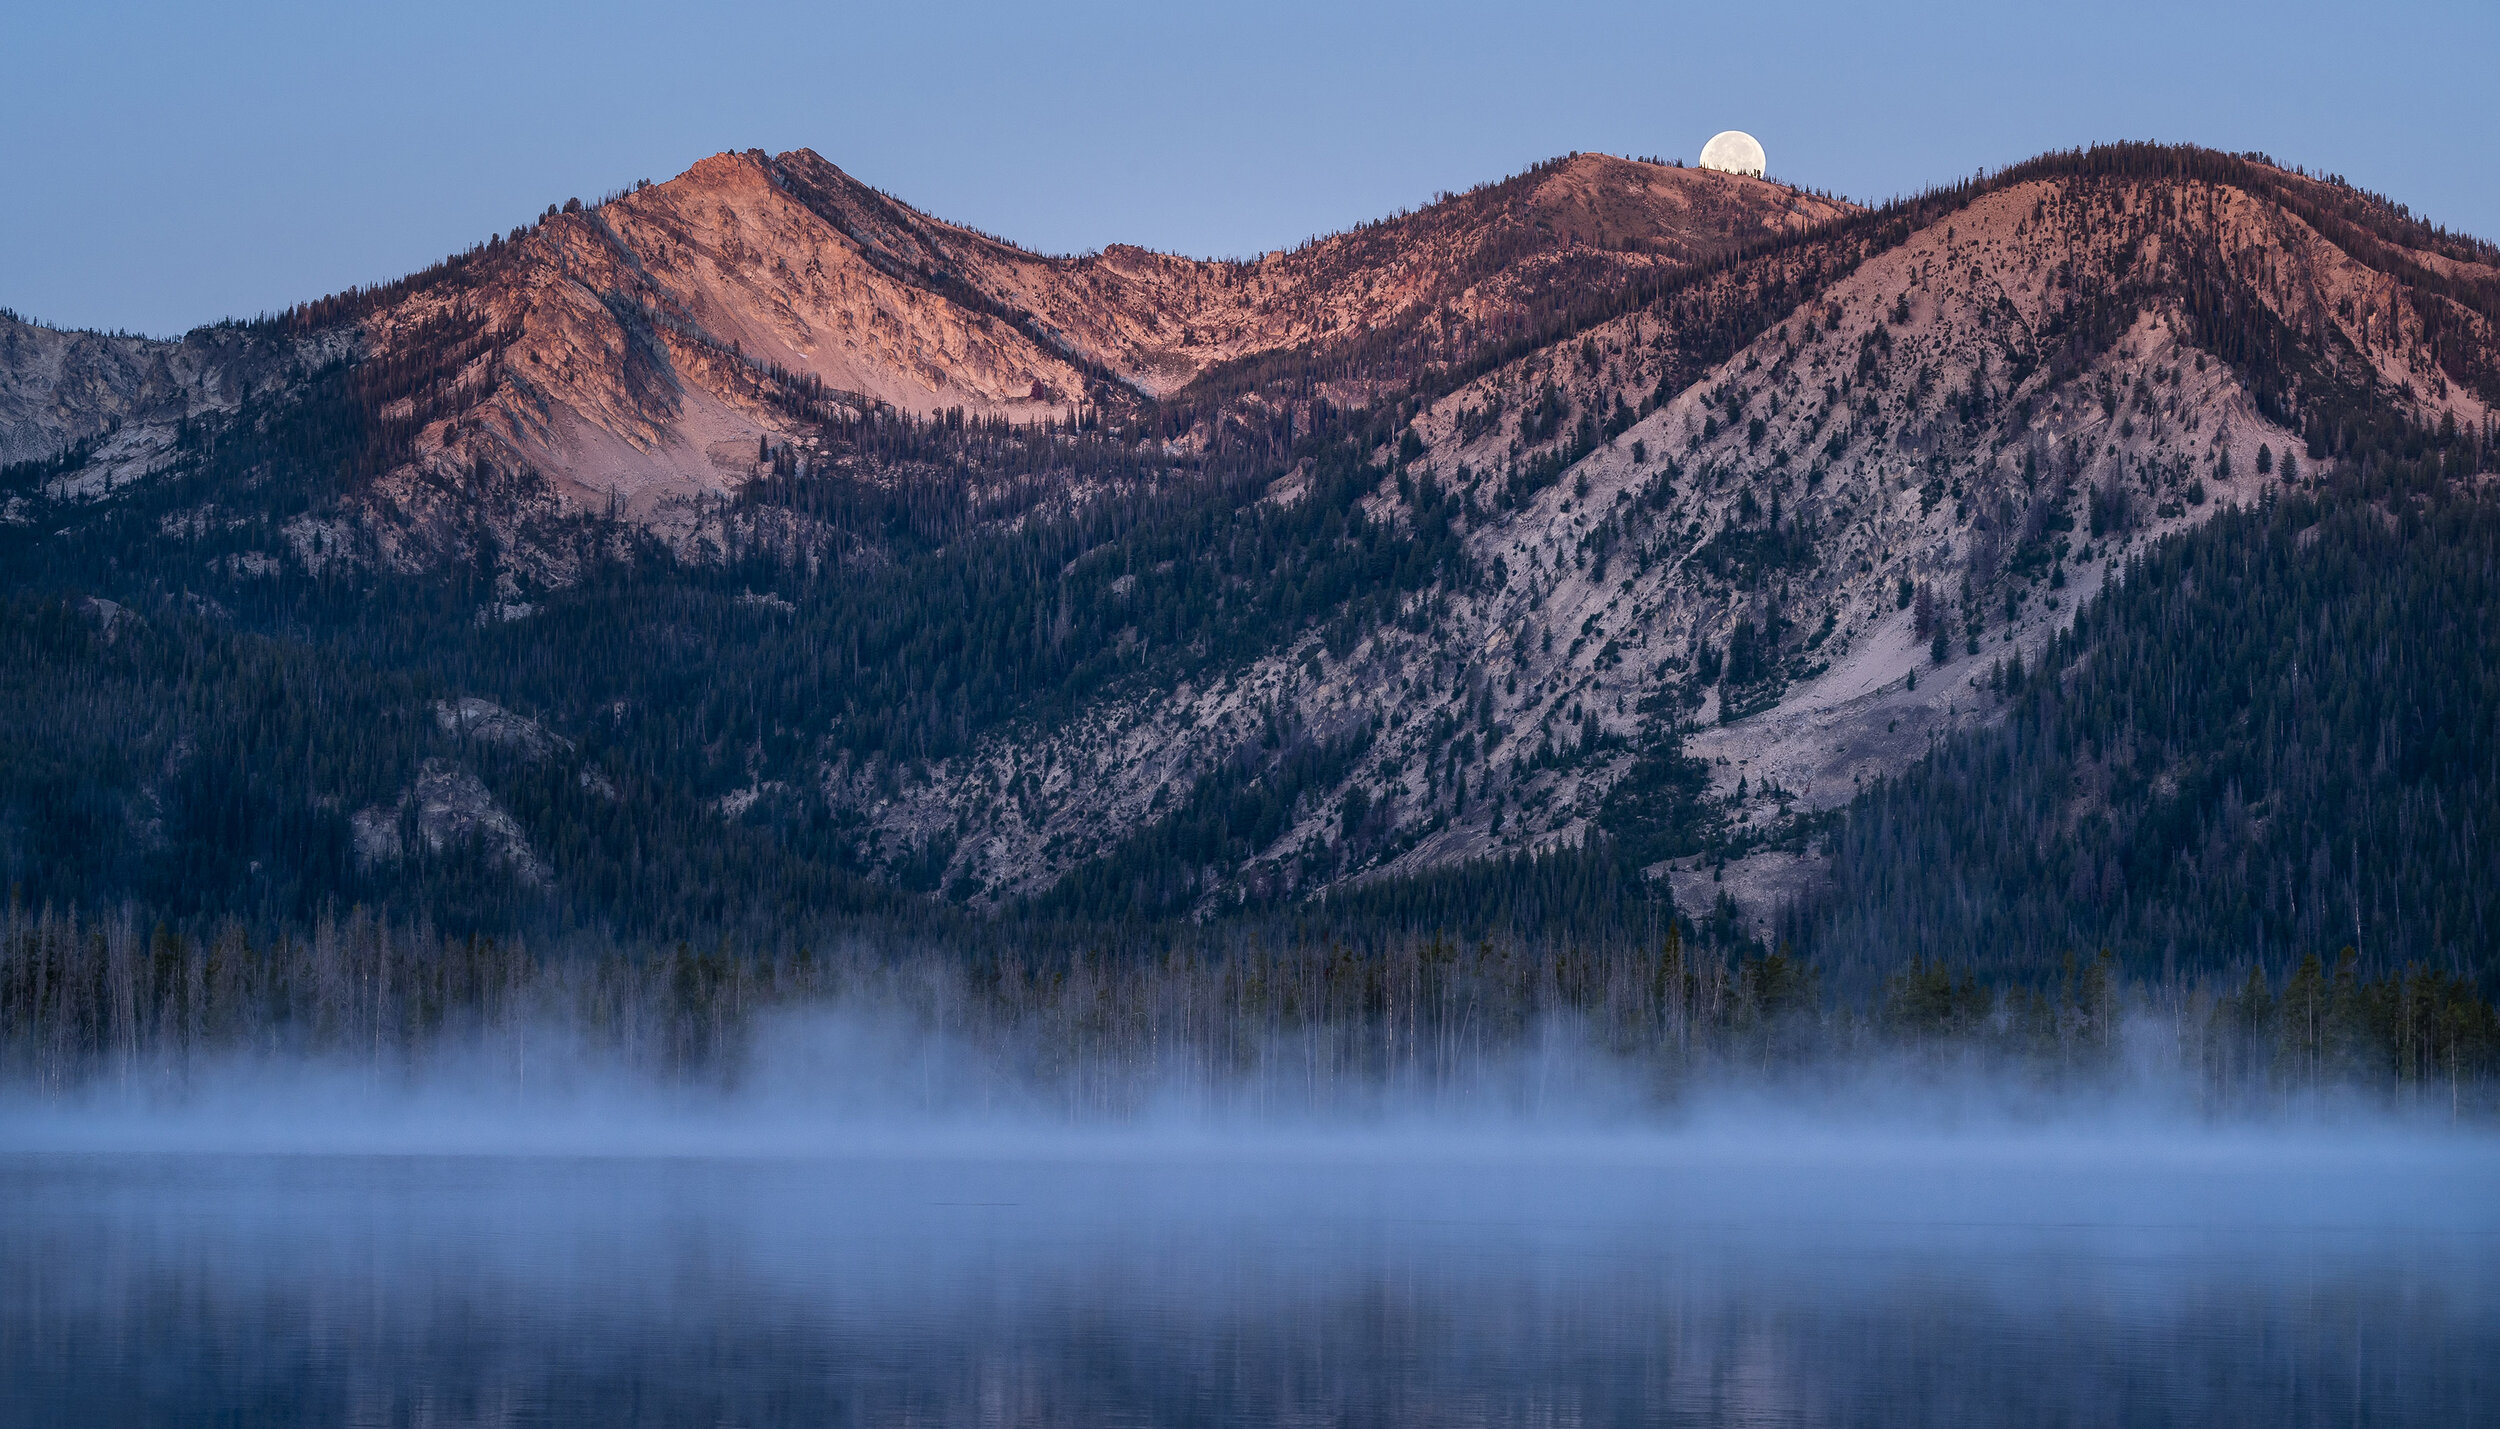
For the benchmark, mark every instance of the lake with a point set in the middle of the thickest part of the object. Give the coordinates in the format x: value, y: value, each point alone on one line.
x: 1348, y: 1278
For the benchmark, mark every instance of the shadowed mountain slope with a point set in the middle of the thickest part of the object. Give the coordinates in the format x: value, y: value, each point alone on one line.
x: 1614, y: 511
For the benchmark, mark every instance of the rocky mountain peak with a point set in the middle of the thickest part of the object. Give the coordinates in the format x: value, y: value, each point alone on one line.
x: 1613, y: 499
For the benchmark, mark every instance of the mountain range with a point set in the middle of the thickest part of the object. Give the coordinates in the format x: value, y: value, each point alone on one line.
x: 1614, y: 538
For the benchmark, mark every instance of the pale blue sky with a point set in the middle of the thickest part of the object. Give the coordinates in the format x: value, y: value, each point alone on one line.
x: 167, y: 165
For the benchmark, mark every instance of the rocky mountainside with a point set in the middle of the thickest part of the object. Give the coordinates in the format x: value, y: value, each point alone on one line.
x: 1954, y: 432
x: 1614, y: 502
x: 99, y: 411
x: 634, y: 356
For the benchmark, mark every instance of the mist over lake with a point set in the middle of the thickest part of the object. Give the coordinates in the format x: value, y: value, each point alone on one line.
x: 1637, y: 786
x: 2107, y: 1276
x: 857, y: 1237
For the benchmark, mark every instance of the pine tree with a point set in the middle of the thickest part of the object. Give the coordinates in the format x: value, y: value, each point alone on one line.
x: 2303, y: 1019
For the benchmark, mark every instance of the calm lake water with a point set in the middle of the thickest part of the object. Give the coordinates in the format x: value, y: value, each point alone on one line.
x: 1117, y: 1282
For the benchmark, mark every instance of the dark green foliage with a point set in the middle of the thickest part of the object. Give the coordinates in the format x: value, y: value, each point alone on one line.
x: 1748, y: 654
x: 1291, y: 1023
x: 1590, y: 896
x: 1657, y: 810
x: 918, y: 656
x: 2277, y: 731
x: 1162, y: 870
x: 1928, y: 1001
x: 1746, y: 556
x: 164, y: 760
x: 31, y: 476
x: 906, y: 589
x: 168, y: 759
x: 84, y: 1000
x: 1544, y: 417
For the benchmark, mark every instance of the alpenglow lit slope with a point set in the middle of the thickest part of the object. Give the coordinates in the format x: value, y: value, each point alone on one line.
x: 749, y: 547
x: 631, y: 356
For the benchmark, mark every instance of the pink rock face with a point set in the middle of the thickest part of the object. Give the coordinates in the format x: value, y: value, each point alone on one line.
x: 1990, y: 397
x: 635, y: 352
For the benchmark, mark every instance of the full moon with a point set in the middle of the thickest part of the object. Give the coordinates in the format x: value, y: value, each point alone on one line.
x: 1733, y: 152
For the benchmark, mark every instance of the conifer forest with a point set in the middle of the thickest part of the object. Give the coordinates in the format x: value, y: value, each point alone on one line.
x: 328, y: 725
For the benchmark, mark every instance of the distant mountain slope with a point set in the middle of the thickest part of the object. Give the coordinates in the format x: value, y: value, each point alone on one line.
x: 635, y: 355
x: 102, y: 410
x: 2276, y: 739
x: 1613, y: 507
x: 1961, y: 425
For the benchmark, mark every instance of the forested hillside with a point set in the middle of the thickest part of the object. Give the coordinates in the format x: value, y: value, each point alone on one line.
x: 2277, y: 734
x: 2096, y: 555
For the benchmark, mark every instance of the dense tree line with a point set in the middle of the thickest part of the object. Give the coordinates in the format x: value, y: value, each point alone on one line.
x: 2179, y: 783
x: 2275, y: 733
x: 165, y: 757
x: 1309, y: 1024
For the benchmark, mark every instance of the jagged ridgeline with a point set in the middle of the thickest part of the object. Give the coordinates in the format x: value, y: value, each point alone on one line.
x: 750, y: 554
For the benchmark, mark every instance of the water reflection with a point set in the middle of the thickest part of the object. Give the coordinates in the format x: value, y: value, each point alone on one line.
x: 1292, y: 1287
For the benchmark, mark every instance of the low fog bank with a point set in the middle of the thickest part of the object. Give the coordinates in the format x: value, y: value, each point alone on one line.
x: 1436, y: 1185
x: 368, y: 1038
x: 873, y: 1078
